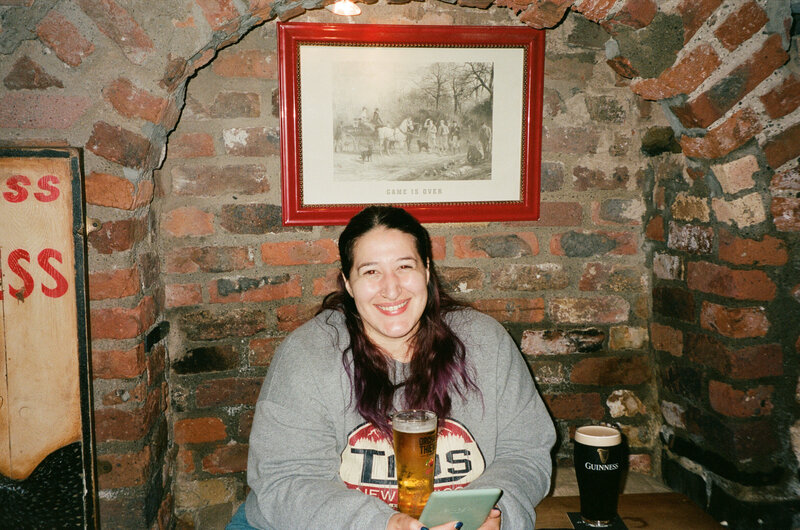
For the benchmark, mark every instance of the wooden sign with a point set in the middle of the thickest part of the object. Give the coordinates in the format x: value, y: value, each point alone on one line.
x: 46, y: 442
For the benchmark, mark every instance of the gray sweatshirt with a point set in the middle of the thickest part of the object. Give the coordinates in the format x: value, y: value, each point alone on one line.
x: 315, y: 463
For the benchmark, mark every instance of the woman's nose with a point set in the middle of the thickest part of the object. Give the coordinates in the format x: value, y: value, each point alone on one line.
x: 390, y: 287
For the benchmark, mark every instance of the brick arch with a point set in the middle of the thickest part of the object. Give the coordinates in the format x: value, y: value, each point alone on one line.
x: 734, y: 107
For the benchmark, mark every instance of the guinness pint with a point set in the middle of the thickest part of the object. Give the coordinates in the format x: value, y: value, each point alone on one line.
x: 598, y: 467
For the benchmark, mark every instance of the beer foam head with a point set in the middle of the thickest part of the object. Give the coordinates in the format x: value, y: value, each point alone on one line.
x: 414, y: 421
x: 597, y: 436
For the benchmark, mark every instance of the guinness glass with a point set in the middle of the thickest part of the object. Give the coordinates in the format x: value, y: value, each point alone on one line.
x: 598, y: 468
x: 414, y: 434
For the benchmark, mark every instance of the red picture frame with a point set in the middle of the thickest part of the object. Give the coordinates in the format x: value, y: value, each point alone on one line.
x: 480, y: 163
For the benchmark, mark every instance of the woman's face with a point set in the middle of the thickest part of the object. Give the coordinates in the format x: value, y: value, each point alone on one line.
x: 388, y: 282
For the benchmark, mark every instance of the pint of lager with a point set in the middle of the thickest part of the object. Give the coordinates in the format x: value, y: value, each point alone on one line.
x: 598, y: 468
x: 414, y: 434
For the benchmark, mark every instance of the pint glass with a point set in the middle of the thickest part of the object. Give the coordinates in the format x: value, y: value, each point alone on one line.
x: 598, y: 468
x: 414, y: 434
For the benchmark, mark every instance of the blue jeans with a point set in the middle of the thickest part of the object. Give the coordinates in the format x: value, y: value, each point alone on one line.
x: 239, y: 521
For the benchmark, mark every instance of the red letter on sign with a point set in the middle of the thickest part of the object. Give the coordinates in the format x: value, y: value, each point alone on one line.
x: 14, y: 184
x: 61, y: 282
x: 27, y: 279
x: 45, y: 184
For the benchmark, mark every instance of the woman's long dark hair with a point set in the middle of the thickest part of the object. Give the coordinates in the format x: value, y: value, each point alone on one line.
x: 438, y: 366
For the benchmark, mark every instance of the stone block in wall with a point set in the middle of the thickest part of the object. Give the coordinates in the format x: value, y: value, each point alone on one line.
x: 692, y: 239
x: 263, y: 289
x: 254, y: 218
x: 625, y: 403
x: 511, y: 245
x: 667, y: 266
x: 742, y: 212
x: 516, y: 277
x: 581, y: 244
x: 786, y: 214
x: 609, y: 309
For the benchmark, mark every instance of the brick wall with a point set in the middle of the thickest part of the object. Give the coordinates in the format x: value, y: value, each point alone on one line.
x: 659, y: 289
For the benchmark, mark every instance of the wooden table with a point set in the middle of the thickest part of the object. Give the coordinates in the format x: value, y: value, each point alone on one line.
x: 653, y: 511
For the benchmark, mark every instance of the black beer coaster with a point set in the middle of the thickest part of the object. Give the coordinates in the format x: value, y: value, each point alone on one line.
x: 579, y: 524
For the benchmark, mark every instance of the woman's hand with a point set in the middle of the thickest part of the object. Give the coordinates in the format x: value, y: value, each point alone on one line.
x: 493, y: 521
x: 401, y: 521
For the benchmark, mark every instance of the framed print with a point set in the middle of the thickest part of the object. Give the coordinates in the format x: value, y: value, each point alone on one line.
x: 444, y: 121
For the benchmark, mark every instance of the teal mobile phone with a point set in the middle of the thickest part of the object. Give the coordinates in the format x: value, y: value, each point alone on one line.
x: 471, y: 507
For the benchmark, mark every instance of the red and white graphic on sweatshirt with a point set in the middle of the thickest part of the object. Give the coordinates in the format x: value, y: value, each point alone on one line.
x: 368, y: 461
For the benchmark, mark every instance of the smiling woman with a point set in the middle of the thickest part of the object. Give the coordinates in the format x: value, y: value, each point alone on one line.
x: 389, y: 338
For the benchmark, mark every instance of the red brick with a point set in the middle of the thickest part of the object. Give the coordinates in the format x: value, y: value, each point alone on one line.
x: 768, y: 250
x: 654, y: 230
x: 611, y: 277
x: 608, y: 371
x: 600, y: 309
x: 666, y: 338
x: 246, y: 63
x: 636, y: 14
x: 731, y: 283
x: 623, y: 67
x: 117, y: 283
x: 61, y: 36
x: 231, y: 458
x: 213, y: 181
x: 540, y: 15
x: 734, y: 322
x: 218, y: 13
x: 122, y: 323
x: 292, y: 316
x: 709, y: 106
x: 228, y: 392
x: 595, y: 10
x: 261, y: 351
x: 783, y: 99
x: 682, y: 77
x: 191, y: 145
x: 786, y: 214
x: 188, y: 221
x: 575, y: 406
x: 235, y: 105
x: 526, y: 310
x: 251, y: 141
x: 560, y: 214
x: 209, y: 259
x: 254, y: 290
x: 118, y: 364
x: 41, y: 111
x: 640, y: 463
x: 134, y: 102
x: 121, y: 146
x: 735, y: 403
x: 753, y: 362
x: 496, y: 245
x: 694, y: 13
x: 727, y: 136
x: 128, y: 425
x: 592, y: 179
x: 199, y: 430
x: 783, y: 147
x: 181, y: 295
x: 126, y: 470
x: 103, y: 189
x: 300, y: 252
x: 27, y: 74
x: 184, y: 462
x: 117, y: 236
x: 741, y: 25
x: 118, y: 25
x: 326, y: 284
